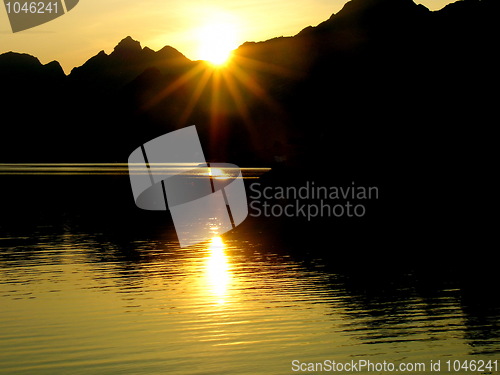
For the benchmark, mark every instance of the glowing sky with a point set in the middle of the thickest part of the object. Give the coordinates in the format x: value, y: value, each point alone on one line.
x: 95, y: 25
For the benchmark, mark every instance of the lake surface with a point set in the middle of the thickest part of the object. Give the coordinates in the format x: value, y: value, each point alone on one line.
x: 77, y: 301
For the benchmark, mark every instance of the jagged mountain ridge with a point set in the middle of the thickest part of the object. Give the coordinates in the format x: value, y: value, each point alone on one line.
x: 127, y: 61
x: 20, y: 69
x: 384, y: 93
x: 371, y: 54
x: 369, y: 14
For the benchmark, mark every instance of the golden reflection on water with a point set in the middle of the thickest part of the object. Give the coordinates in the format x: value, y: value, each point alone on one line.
x: 72, y: 303
x: 217, y: 270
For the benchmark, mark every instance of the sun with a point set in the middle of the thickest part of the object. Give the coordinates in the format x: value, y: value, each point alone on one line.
x: 224, y: 83
x: 217, y: 39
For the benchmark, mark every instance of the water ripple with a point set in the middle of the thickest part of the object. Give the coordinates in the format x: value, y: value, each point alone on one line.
x: 76, y: 302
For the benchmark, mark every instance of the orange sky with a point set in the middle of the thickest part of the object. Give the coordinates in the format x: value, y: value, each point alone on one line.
x: 95, y: 25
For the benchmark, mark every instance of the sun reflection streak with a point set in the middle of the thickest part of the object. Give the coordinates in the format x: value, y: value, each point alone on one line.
x: 217, y: 270
x: 217, y: 173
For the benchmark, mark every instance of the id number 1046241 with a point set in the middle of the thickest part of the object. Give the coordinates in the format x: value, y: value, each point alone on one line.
x: 32, y: 7
x: 472, y: 365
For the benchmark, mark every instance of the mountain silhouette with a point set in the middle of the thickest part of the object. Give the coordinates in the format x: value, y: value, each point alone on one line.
x: 386, y: 61
x: 127, y: 61
x: 19, y: 69
x: 384, y: 92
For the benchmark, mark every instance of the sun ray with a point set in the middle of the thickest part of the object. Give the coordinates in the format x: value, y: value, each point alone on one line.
x: 237, y: 97
x: 226, y: 94
x: 202, y: 83
x: 265, y: 67
x: 174, y: 86
x: 253, y: 85
x: 217, y: 119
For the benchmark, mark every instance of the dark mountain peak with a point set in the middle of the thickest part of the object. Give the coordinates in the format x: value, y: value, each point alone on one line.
x: 357, y: 7
x: 168, y: 52
x: 54, y: 68
x: 127, y: 46
x: 23, y: 74
x: 19, y: 65
x: 19, y: 60
x: 372, y: 16
x: 128, y: 43
x: 127, y: 61
x: 464, y: 8
x: 93, y: 63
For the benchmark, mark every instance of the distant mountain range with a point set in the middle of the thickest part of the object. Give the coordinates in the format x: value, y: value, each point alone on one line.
x: 376, y: 70
x: 384, y: 93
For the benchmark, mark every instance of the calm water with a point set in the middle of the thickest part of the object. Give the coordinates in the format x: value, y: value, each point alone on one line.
x: 74, y: 301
